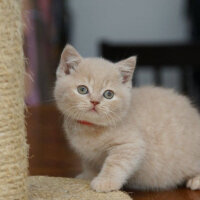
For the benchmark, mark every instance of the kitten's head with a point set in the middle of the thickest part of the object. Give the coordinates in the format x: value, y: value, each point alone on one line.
x: 93, y: 89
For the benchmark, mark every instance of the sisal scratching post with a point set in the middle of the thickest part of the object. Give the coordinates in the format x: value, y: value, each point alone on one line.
x: 13, y: 148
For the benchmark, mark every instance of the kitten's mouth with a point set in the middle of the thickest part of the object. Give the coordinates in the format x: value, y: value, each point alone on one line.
x: 93, y: 109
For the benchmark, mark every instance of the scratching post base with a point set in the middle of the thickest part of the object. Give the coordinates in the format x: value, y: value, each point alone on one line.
x: 54, y: 188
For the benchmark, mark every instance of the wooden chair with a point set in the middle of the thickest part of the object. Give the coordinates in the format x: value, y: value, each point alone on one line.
x: 183, y: 55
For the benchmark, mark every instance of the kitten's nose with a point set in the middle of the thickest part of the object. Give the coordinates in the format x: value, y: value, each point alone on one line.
x: 94, y: 102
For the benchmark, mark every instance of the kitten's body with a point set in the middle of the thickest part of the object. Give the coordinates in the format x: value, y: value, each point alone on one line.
x: 151, y: 142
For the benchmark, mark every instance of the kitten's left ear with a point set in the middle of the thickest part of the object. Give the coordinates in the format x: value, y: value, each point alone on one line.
x: 70, y: 58
x: 127, y: 68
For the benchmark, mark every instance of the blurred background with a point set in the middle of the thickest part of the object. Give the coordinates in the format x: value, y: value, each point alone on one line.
x: 164, y: 34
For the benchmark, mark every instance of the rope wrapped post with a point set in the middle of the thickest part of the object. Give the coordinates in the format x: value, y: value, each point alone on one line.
x: 13, y: 147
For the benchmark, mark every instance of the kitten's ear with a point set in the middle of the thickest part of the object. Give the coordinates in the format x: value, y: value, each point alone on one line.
x: 70, y: 58
x: 127, y: 68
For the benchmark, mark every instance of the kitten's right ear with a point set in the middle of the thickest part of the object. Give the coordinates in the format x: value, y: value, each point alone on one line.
x: 127, y: 68
x: 70, y: 58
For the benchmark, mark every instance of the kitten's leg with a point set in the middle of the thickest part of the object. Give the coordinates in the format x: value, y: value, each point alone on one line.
x: 123, y: 160
x: 88, y: 172
x: 194, y: 183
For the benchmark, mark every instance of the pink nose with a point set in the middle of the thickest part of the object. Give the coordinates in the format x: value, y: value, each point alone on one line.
x: 94, y: 102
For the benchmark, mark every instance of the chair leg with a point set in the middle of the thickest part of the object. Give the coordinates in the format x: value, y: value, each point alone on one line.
x: 184, y: 80
x: 157, y: 75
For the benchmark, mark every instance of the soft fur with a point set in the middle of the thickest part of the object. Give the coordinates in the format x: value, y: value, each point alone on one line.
x: 145, y: 138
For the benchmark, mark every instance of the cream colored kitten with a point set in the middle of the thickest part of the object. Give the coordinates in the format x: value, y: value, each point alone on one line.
x: 146, y: 138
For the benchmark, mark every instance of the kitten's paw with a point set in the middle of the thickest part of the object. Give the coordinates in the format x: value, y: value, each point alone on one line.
x: 105, y: 184
x: 194, y: 183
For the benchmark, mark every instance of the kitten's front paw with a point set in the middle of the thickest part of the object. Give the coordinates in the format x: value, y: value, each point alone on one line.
x: 105, y: 184
x: 194, y: 183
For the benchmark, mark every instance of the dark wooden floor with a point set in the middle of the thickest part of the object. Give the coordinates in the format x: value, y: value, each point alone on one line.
x: 50, y: 154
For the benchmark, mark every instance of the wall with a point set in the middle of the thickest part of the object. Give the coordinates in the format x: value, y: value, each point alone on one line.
x: 126, y: 20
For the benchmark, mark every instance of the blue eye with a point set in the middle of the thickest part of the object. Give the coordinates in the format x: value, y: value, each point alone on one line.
x: 108, y: 94
x: 82, y: 89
